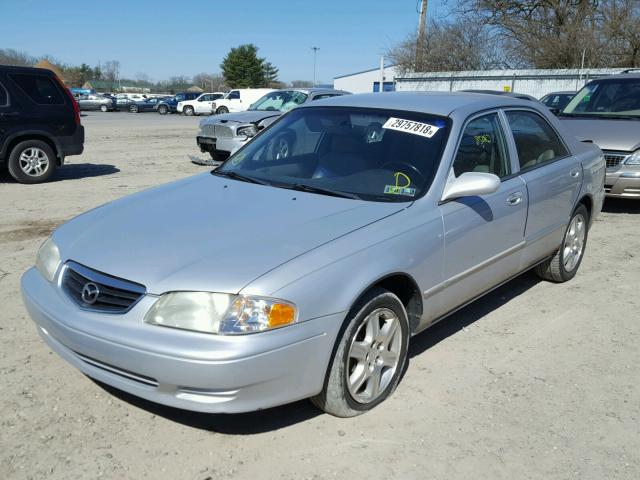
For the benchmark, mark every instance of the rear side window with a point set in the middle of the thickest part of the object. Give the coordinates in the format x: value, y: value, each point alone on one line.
x: 536, y: 141
x: 4, y: 97
x: 42, y: 90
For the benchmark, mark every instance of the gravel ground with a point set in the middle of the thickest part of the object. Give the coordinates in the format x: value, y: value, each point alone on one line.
x: 536, y: 380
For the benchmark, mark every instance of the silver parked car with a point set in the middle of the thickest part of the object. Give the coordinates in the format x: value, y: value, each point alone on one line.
x: 95, y: 101
x: 223, y: 134
x: 607, y: 111
x: 307, y: 276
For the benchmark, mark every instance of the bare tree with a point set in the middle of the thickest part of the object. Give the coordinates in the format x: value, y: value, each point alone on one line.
x: 462, y: 44
x: 621, y: 28
x: 111, y: 70
x: 302, y: 83
x: 142, y: 77
x: 9, y: 56
x: 210, y: 81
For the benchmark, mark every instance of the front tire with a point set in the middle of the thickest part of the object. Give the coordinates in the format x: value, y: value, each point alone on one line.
x: 163, y: 110
x: 104, y: 108
x: 369, y: 356
x: 189, y: 111
x: 133, y: 109
x: 32, y: 161
x: 222, y: 110
x: 564, y: 264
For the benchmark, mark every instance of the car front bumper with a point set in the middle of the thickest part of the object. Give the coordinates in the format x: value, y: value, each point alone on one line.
x: 623, y: 182
x: 188, y: 370
x: 222, y: 145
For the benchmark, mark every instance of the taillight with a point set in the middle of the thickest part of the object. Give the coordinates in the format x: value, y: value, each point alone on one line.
x: 76, y: 108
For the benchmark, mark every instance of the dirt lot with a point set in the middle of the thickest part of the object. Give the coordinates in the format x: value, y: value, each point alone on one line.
x: 535, y: 381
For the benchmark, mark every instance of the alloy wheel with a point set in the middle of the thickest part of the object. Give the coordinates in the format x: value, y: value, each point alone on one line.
x: 33, y: 161
x: 374, y: 355
x: 574, y: 240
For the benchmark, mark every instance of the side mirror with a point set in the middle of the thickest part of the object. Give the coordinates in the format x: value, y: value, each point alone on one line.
x: 470, y: 184
x: 555, y: 111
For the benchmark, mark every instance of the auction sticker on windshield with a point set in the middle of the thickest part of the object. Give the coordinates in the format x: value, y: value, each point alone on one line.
x: 410, y: 126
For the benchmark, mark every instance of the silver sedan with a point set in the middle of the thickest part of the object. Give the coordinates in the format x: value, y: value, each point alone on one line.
x: 307, y: 275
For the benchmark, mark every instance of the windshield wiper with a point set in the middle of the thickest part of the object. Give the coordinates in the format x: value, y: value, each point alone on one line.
x: 323, y: 191
x: 238, y: 176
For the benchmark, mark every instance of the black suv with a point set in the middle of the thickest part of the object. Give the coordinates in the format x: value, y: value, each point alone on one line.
x: 171, y: 105
x: 39, y: 123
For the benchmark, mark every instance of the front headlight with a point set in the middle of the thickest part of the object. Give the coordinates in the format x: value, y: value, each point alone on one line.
x: 220, y: 313
x: 248, y: 131
x: 48, y: 259
x: 633, y: 159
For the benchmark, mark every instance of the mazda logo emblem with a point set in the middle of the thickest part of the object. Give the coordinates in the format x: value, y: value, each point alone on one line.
x: 90, y: 293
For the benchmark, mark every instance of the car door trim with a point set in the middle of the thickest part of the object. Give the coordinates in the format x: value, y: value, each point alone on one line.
x: 470, y: 271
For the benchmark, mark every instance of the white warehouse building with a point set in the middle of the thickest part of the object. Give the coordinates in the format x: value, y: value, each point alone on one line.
x: 536, y: 83
x: 367, y: 81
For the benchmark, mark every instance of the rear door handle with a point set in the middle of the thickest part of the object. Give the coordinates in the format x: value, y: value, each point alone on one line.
x: 514, y: 199
x: 575, y: 173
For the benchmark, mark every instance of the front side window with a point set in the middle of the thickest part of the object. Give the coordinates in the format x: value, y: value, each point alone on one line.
x: 482, y: 148
x: 233, y: 95
x: 370, y: 154
x: 280, y: 101
x: 42, y: 90
x: 608, y: 98
x: 536, y: 141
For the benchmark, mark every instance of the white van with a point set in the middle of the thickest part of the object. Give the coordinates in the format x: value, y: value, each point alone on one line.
x: 239, y: 99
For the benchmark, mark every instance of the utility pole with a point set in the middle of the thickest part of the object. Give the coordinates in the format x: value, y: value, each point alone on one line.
x: 315, y: 54
x: 421, y: 29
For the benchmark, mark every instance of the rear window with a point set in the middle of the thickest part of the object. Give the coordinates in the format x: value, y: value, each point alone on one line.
x: 42, y: 90
x: 4, y: 97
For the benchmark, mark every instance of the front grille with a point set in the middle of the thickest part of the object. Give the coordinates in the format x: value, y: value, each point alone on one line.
x: 217, y: 131
x: 105, y: 293
x: 614, y: 159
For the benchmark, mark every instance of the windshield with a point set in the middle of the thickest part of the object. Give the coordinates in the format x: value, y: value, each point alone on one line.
x: 619, y: 98
x: 280, y: 101
x: 369, y: 154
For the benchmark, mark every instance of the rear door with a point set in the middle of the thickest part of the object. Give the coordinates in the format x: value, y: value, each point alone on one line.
x: 553, y: 177
x: 484, y: 235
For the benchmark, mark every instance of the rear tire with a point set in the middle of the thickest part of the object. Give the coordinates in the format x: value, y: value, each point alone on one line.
x: 367, y: 361
x: 104, y: 108
x: 133, y: 109
x: 222, y: 110
x: 32, y: 161
x: 163, y: 110
x: 564, y: 264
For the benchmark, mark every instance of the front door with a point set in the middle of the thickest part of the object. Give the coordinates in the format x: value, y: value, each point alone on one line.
x: 484, y: 235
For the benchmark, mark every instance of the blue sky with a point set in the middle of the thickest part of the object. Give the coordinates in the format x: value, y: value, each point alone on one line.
x: 162, y: 38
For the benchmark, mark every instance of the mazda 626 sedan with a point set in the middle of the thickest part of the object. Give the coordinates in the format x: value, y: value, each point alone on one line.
x: 305, y: 272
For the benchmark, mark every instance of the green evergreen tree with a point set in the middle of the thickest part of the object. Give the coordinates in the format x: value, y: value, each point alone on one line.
x: 270, y: 74
x: 242, y: 68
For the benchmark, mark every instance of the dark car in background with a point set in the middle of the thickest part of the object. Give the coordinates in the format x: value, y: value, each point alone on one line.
x: 556, y: 101
x: 170, y: 104
x: 137, y: 106
x: 96, y: 102
x: 39, y: 123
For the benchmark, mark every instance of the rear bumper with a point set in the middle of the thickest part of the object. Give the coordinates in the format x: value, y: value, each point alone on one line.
x: 73, y: 144
x: 623, y: 183
x: 206, y: 373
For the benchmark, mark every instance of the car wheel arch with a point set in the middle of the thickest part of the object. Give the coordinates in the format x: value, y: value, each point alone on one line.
x: 24, y: 136
x: 405, y: 288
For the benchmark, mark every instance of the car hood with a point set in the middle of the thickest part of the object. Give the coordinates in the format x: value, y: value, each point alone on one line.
x: 249, y: 116
x: 621, y: 135
x: 209, y: 233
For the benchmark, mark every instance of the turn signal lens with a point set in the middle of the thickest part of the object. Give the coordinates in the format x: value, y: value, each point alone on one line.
x: 281, y: 314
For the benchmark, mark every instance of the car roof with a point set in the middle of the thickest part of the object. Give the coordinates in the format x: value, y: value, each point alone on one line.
x: 12, y: 68
x: 522, y: 96
x: 618, y: 76
x: 565, y: 92
x: 437, y: 103
x: 311, y: 90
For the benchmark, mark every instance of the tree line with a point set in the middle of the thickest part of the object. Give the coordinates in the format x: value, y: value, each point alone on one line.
x: 550, y: 34
x: 240, y: 68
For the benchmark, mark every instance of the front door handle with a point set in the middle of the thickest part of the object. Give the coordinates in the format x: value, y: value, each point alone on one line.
x: 575, y: 173
x: 514, y: 199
